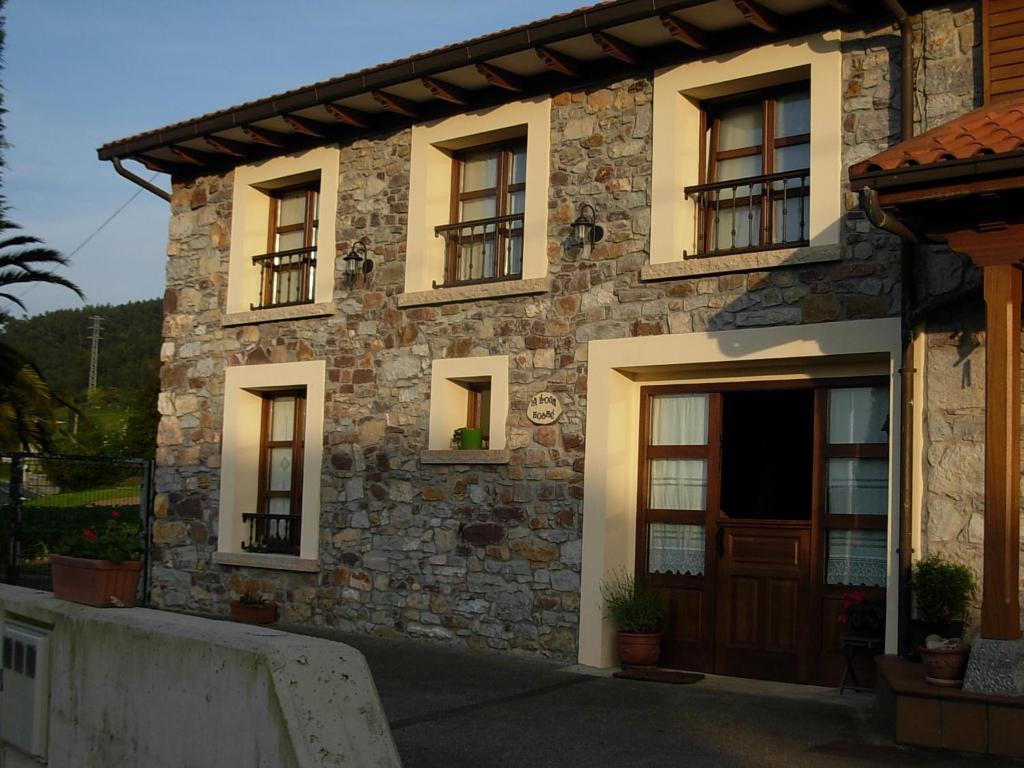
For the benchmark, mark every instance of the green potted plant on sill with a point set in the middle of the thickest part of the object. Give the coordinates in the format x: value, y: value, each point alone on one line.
x: 99, y: 567
x: 252, y: 608
x: 468, y: 438
x: 639, y: 614
x: 942, y: 593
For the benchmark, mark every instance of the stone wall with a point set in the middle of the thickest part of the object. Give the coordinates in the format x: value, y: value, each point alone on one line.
x: 486, y: 555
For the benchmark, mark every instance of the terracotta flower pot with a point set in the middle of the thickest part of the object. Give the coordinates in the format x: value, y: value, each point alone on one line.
x: 639, y: 650
x: 100, y: 583
x: 254, y: 613
x: 945, y: 666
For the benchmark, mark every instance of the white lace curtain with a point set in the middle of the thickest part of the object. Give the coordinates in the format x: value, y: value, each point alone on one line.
x: 856, y: 558
x: 676, y: 548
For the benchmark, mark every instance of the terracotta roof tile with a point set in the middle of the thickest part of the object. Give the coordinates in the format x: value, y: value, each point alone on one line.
x: 993, y: 129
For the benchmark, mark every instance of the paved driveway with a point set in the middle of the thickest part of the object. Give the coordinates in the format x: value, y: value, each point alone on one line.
x: 451, y: 708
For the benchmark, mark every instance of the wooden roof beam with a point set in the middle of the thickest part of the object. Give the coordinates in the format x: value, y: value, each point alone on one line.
x: 759, y: 16
x: 502, y: 78
x: 446, y: 91
x: 348, y: 116
x: 618, y: 48
x: 227, y: 146
x: 308, y: 127
x: 686, y: 33
x: 842, y: 6
x: 193, y: 156
x: 560, y: 62
x: 160, y: 166
x: 263, y: 136
x: 396, y: 104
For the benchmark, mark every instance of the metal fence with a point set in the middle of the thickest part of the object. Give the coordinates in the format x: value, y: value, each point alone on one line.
x: 44, y: 498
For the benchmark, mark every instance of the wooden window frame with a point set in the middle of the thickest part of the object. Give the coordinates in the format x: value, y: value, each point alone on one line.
x: 308, y: 227
x: 501, y: 192
x: 296, y: 444
x: 710, y: 122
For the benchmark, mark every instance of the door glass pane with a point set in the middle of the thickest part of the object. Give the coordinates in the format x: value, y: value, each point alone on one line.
x: 279, y: 505
x: 286, y: 241
x: 291, y: 208
x: 856, y: 558
x: 679, y: 420
x: 858, y: 486
x: 280, y: 469
x: 516, y: 202
x: 514, y: 255
x: 517, y: 171
x: 858, y: 415
x: 793, y: 158
x: 675, y: 548
x: 282, y: 418
x: 792, y: 218
x: 735, y: 226
x: 480, y: 171
x: 739, y: 168
x: 793, y: 114
x: 476, y: 258
x: 740, y: 127
x: 678, y: 484
x: 481, y: 208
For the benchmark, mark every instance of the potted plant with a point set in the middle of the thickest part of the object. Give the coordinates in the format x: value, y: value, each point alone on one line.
x: 252, y: 608
x: 99, y: 567
x: 639, y: 614
x: 468, y: 439
x: 942, y: 591
x: 863, y: 615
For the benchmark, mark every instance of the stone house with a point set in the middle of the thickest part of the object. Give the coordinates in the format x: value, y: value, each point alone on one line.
x: 618, y: 247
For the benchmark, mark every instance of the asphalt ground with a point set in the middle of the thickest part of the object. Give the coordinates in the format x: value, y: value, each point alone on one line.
x: 450, y: 707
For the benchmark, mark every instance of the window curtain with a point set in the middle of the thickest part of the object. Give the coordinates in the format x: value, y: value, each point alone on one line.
x: 679, y: 420
x: 678, y: 484
x: 676, y: 548
x: 856, y: 558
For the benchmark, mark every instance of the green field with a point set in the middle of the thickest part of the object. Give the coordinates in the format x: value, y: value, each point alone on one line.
x: 127, y: 489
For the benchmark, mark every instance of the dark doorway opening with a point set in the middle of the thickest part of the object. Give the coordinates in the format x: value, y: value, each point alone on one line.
x: 767, y: 454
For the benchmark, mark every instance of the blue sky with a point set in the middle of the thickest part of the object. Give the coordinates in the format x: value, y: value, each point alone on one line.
x: 79, y: 74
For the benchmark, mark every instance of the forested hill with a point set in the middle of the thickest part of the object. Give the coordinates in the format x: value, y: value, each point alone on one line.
x: 59, y: 343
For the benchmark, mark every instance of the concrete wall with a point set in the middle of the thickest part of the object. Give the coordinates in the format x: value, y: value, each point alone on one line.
x: 146, y: 689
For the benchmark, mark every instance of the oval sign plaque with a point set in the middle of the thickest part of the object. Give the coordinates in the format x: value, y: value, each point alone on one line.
x: 544, y: 408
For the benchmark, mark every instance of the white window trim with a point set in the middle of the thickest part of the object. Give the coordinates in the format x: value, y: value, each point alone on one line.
x: 430, y: 184
x: 250, y: 216
x: 678, y: 92
x: 448, y: 398
x: 240, y: 458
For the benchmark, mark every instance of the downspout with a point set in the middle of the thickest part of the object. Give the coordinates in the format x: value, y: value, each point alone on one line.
x: 163, y: 195
x: 906, y: 68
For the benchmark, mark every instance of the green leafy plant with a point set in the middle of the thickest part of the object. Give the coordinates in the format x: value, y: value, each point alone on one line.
x: 251, y: 594
x: 942, y: 589
x: 632, y: 605
x: 116, y: 541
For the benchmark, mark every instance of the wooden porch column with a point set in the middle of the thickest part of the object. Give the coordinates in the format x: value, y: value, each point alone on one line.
x: 1000, y: 608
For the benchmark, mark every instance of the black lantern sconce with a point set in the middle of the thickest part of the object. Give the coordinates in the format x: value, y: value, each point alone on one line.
x: 355, y: 262
x: 586, y: 230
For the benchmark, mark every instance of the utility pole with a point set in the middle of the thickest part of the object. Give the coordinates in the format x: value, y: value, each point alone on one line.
x: 94, y: 334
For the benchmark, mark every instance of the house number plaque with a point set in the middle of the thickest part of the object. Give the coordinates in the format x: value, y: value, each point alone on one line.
x: 544, y: 408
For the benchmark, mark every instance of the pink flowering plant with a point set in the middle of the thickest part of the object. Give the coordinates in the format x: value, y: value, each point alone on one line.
x: 861, y: 613
x: 116, y: 541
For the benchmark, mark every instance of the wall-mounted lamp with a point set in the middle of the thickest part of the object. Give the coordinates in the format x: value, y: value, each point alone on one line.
x: 586, y: 229
x: 355, y: 262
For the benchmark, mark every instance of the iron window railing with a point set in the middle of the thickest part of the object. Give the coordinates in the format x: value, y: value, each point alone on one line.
x: 752, y: 214
x: 484, y: 250
x: 272, y: 534
x: 286, y: 277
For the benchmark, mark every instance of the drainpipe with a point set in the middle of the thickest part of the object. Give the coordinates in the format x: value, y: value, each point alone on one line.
x: 906, y: 68
x: 163, y: 195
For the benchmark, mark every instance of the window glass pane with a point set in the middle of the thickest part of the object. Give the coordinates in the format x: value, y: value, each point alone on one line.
x: 481, y: 208
x: 280, y: 469
x: 679, y: 420
x: 517, y: 171
x: 678, y: 484
x: 739, y: 127
x: 286, y: 241
x: 476, y: 258
x: 793, y: 158
x: 675, y: 548
x: 736, y: 226
x: 516, y: 202
x: 514, y: 255
x: 858, y: 415
x: 793, y: 114
x: 856, y: 558
x: 316, y: 204
x: 739, y: 168
x: 291, y: 208
x: 282, y: 418
x: 279, y: 505
x: 858, y: 486
x: 792, y: 219
x: 480, y: 171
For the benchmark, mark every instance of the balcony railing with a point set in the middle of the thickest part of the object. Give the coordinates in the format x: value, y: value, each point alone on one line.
x: 483, y: 251
x: 286, y: 277
x: 272, y: 534
x: 751, y: 214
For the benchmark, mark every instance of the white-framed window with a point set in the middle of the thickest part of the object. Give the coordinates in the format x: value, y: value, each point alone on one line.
x: 478, y: 189
x: 271, y: 457
x: 283, y: 243
x: 468, y: 392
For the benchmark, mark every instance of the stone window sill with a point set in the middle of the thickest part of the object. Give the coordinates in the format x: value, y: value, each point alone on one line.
x: 741, y: 262
x: 270, y: 562
x: 474, y: 292
x: 464, y: 457
x: 274, y: 314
